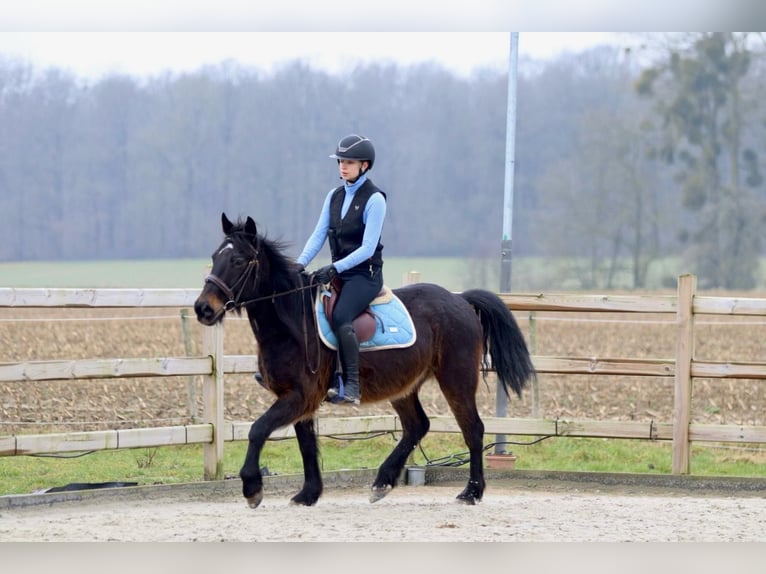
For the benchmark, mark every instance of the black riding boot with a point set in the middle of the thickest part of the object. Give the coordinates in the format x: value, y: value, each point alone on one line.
x: 348, y: 350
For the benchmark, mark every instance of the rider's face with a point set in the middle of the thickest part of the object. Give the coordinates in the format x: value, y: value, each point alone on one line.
x: 351, y: 169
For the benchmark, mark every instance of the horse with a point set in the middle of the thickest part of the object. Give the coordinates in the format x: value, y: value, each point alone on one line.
x: 457, y: 335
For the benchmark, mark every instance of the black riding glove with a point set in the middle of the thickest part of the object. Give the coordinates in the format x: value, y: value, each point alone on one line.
x: 325, y: 274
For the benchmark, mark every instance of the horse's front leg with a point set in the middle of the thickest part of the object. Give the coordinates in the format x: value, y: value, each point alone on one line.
x: 280, y: 414
x: 312, y: 477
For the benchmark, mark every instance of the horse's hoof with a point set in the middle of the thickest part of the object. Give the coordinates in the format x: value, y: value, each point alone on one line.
x: 378, y: 492
x: 299, y: 500
x: 255, y: 500
x: 469, y: 500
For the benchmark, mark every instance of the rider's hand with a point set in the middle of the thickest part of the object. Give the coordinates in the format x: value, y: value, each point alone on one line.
x: 325, y: 274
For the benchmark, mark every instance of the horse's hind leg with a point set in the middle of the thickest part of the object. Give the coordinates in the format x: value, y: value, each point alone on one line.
x: 473, y: 433
x: 459, y: 387
x: 415, y: 425
x: 312, y: 477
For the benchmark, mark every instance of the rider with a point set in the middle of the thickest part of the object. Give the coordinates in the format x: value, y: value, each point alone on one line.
x: 352, y: 220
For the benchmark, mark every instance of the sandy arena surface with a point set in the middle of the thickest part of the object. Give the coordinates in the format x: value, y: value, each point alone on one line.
x: 409, y: 513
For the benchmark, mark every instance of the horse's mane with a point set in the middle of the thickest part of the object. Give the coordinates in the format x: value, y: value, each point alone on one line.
x: 281, y: 265
x: 280, y: 277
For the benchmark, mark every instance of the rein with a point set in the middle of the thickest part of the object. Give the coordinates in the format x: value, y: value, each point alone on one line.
x: 232, y: 303
x: 275, y: 295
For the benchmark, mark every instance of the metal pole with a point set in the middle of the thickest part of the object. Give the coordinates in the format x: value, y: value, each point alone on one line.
x: 501, y: 400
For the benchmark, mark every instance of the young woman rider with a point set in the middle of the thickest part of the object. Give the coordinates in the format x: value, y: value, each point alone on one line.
x: 351, y: 220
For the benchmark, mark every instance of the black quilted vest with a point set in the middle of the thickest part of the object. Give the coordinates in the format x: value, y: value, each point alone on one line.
x: 345, y: 235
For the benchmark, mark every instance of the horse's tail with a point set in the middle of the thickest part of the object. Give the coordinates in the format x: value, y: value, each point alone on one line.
x: 503, y: 341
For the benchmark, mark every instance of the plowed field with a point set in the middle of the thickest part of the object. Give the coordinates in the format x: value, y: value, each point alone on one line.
x: 45, y: 334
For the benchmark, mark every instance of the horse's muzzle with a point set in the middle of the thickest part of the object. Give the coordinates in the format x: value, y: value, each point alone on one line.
x: 206, y: 314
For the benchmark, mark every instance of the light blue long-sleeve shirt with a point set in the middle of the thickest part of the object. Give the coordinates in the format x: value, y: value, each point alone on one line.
x: 373, y: 217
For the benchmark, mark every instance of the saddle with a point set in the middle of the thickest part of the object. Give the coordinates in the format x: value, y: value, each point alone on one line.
x: 366, y: 322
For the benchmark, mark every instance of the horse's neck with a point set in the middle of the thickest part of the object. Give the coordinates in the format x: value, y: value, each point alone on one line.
x: 269, y: 324
x: 264, y: 320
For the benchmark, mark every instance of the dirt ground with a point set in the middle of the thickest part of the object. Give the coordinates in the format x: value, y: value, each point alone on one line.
x: 508, y: 513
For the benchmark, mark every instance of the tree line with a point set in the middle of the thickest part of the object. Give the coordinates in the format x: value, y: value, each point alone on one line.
x: 619, y: 163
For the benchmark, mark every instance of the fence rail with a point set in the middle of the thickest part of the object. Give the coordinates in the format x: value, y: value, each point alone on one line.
x: 212, y: 365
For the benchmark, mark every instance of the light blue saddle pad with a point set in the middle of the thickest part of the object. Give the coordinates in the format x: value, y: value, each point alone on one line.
x: 395, y: 329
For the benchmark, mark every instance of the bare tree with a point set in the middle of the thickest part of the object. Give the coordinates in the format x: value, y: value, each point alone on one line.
x: 697, y: 90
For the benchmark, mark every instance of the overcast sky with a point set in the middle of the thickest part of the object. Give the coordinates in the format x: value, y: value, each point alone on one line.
x: 145, y: 37
x: 382, y: 15
x: 91, y: 54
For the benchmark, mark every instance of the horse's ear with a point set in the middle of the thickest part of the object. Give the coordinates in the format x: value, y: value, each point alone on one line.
x: 226, y: 224
x: 250, y: 227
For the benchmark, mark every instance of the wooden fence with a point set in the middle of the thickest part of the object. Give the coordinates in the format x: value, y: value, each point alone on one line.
x: 212, y: 365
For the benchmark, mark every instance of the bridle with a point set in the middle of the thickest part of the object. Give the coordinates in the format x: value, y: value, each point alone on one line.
x: 233, y: 301
x: 233, y: 298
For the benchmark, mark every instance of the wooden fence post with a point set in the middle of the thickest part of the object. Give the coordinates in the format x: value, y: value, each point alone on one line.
x: 212, y: 396
x: 190, y: 383
x: 687, y: 286
x: 410, y: 278
x: 533, y: 352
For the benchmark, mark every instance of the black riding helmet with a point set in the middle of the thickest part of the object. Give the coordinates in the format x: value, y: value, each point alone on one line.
x: 355, y: 147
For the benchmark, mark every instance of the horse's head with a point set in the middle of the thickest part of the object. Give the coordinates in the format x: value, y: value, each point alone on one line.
x: 234, y: 274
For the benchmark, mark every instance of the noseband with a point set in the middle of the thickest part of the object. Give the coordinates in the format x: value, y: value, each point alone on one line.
x: 233, y: 301
x: 221, y: 285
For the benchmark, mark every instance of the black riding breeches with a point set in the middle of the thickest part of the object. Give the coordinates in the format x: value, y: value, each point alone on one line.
x: 359, y: 288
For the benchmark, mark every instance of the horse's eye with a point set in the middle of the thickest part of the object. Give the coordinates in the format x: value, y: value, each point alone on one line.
x: 238, y: 261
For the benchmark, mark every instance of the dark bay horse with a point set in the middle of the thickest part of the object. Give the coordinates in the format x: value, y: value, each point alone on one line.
x: 456, y: 333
